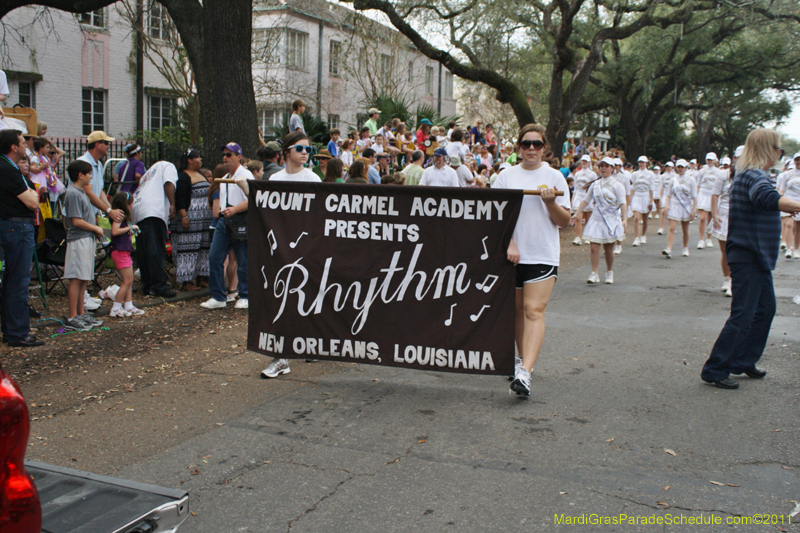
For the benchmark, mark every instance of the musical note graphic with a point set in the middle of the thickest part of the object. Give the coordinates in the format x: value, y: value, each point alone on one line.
x: 486, y: 286
x: 450, y: 320
x: 265, y: 276
x: 475, y: 318
x: 294, y: 244
x: 273, y: 242
x: 485, y: 255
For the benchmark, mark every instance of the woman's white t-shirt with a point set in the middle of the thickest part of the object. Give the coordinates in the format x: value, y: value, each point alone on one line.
x: 303, y: 175
x: 535, y: 234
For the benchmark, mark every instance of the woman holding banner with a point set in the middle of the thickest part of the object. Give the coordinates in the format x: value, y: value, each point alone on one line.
x: 296, y: 151
x: 535, y: 248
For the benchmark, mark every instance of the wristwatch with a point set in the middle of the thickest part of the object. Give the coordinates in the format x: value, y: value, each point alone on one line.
x: 108, y: 210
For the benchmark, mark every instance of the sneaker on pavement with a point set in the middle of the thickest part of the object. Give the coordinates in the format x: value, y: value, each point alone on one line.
x: 119, y: 313
x: 729, y: 292
x: 92, y: 321
x: 232, y: 295
x: 522, y: 383
x: 643, y: 240
x: 685, y: 252
x: 211, y: 303
x: 701, y: 245
x: 88, y: 297
x: 783, y: 245
x: 76, y: 324
x: 796, y: 254
x: 788, y: 253
x: 135, y: 311
x: 242, y: 303
x: 593, y: 278
x: 726, y: 285
x: 577, y: 241
x: 636, y: 242
x: 656, y: 217
x: 609, y: 277
x: 709, y: 243
x: 517, y: 366
x: 660, y: 231
x: 617, y: 249
x: 276, y: 368
x: 666, y: 252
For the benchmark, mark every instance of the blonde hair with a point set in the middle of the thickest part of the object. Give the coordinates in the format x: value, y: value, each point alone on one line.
x: 760, y: 150
x: 253, y: 165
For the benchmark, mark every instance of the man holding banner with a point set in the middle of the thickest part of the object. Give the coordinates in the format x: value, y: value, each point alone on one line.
x: 535, y: 248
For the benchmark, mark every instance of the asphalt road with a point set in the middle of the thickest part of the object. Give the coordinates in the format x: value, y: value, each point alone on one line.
x: 619, y: 423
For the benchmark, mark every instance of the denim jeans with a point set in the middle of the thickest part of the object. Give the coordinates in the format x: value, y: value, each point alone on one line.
x: 151, y: 253
x: 742, y: 340
x: 17, y: 240
x: 220, y: 246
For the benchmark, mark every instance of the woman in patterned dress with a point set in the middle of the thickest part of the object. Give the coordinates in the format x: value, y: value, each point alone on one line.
x: 190, y: 239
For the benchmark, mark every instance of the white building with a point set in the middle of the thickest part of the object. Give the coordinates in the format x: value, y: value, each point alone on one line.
x: 83, y: 72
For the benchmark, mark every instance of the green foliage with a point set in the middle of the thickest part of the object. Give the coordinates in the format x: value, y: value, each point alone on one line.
x: 668, y: 138
x: 400, y: 107
x: 315, y: 127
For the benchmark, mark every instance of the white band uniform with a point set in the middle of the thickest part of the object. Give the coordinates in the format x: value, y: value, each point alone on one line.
x: 605, y: 225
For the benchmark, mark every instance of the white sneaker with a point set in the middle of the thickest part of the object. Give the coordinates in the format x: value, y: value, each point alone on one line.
x: 709, y: 243
x: 609, y: 277
x: 636, y: 242
x: 797, y: 254
x: 783, y: 245
x: 577, y: 241
x: 701, y: 245
x: 231, y: 296
x: 119, y: 313
x: 729, y: 293
x: 666, y: 252
x: 593, y: 278
x: 522, y: 383
x: 788, y: 254
x: 685, y: 252
x: 91, y: 304
x: 135, y: 311
x: 517, y: 366
x: 656, y: 217
x: 211, y: 303
x: 726, y: 285
x: 617, y: 249
x: 276, y: 368
x: 643, y: 240
x: 241, y: 303
x: 660, y: 231
x: 88, y: 297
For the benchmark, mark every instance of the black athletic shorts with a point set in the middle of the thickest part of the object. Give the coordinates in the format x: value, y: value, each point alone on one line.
x: 534, y: 273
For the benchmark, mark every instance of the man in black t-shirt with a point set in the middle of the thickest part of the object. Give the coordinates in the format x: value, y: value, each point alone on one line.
x: 18, y: 203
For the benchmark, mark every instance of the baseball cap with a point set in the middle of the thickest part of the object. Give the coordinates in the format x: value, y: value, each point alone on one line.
x: 795, y: 156
x: 504, y: 166
x: 275, y: 146
x: 586, y: 157
x: 455, y: 161
x: 669, y: 164
x: 618, y: 161
x: 712, y: 156
x: 98, y: 135
x: 643, y: 159
x: 656, y: 168
x: 232, y: 147
x: 682, y: 163
x: 440, y: 151
x: 725, y: 161
x: 693, y: 161
x: 608, y: 161
x: 373, y: 110
x: 738, y: 151
x: 426, y: 121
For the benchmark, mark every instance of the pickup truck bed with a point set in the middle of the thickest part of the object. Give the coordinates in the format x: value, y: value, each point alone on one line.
x: 80, y: 502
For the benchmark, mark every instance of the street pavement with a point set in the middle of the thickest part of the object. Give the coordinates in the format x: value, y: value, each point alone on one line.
x: 618, y: 426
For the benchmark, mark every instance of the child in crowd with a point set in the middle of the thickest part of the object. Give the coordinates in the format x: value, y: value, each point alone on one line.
x: 121, y: 248
x: 79, y: 260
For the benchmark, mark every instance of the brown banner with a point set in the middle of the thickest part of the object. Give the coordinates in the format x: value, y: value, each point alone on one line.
x: 414, y: 277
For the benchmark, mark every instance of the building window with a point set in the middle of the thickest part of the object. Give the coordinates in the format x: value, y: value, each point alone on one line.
x: 94, y: 110
x: 266, y: 45
x: 268, y: 120
x: 335, y: 58
x: 161, y: 110
x: 158, y: 22
x: 296, y: 44
x: 448, y: 85
x: 25, y: 94
x: 94, y: 18
x: 386, y: 70
x: 410, y: 72
x: 428, y: 80
x: 333, y: 122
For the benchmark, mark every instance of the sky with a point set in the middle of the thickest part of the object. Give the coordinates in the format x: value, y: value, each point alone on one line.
x: 792, y: 126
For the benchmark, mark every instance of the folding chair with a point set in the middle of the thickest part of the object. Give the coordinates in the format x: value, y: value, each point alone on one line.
x: 51, y: 253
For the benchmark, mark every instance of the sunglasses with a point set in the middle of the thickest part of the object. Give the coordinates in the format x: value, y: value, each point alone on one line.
x: 299, y: 148
x: 228, y: 154
x: 537, y: 144
x: 103, y: 142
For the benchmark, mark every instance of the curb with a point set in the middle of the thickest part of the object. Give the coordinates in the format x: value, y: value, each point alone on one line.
x: 104, y: 310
